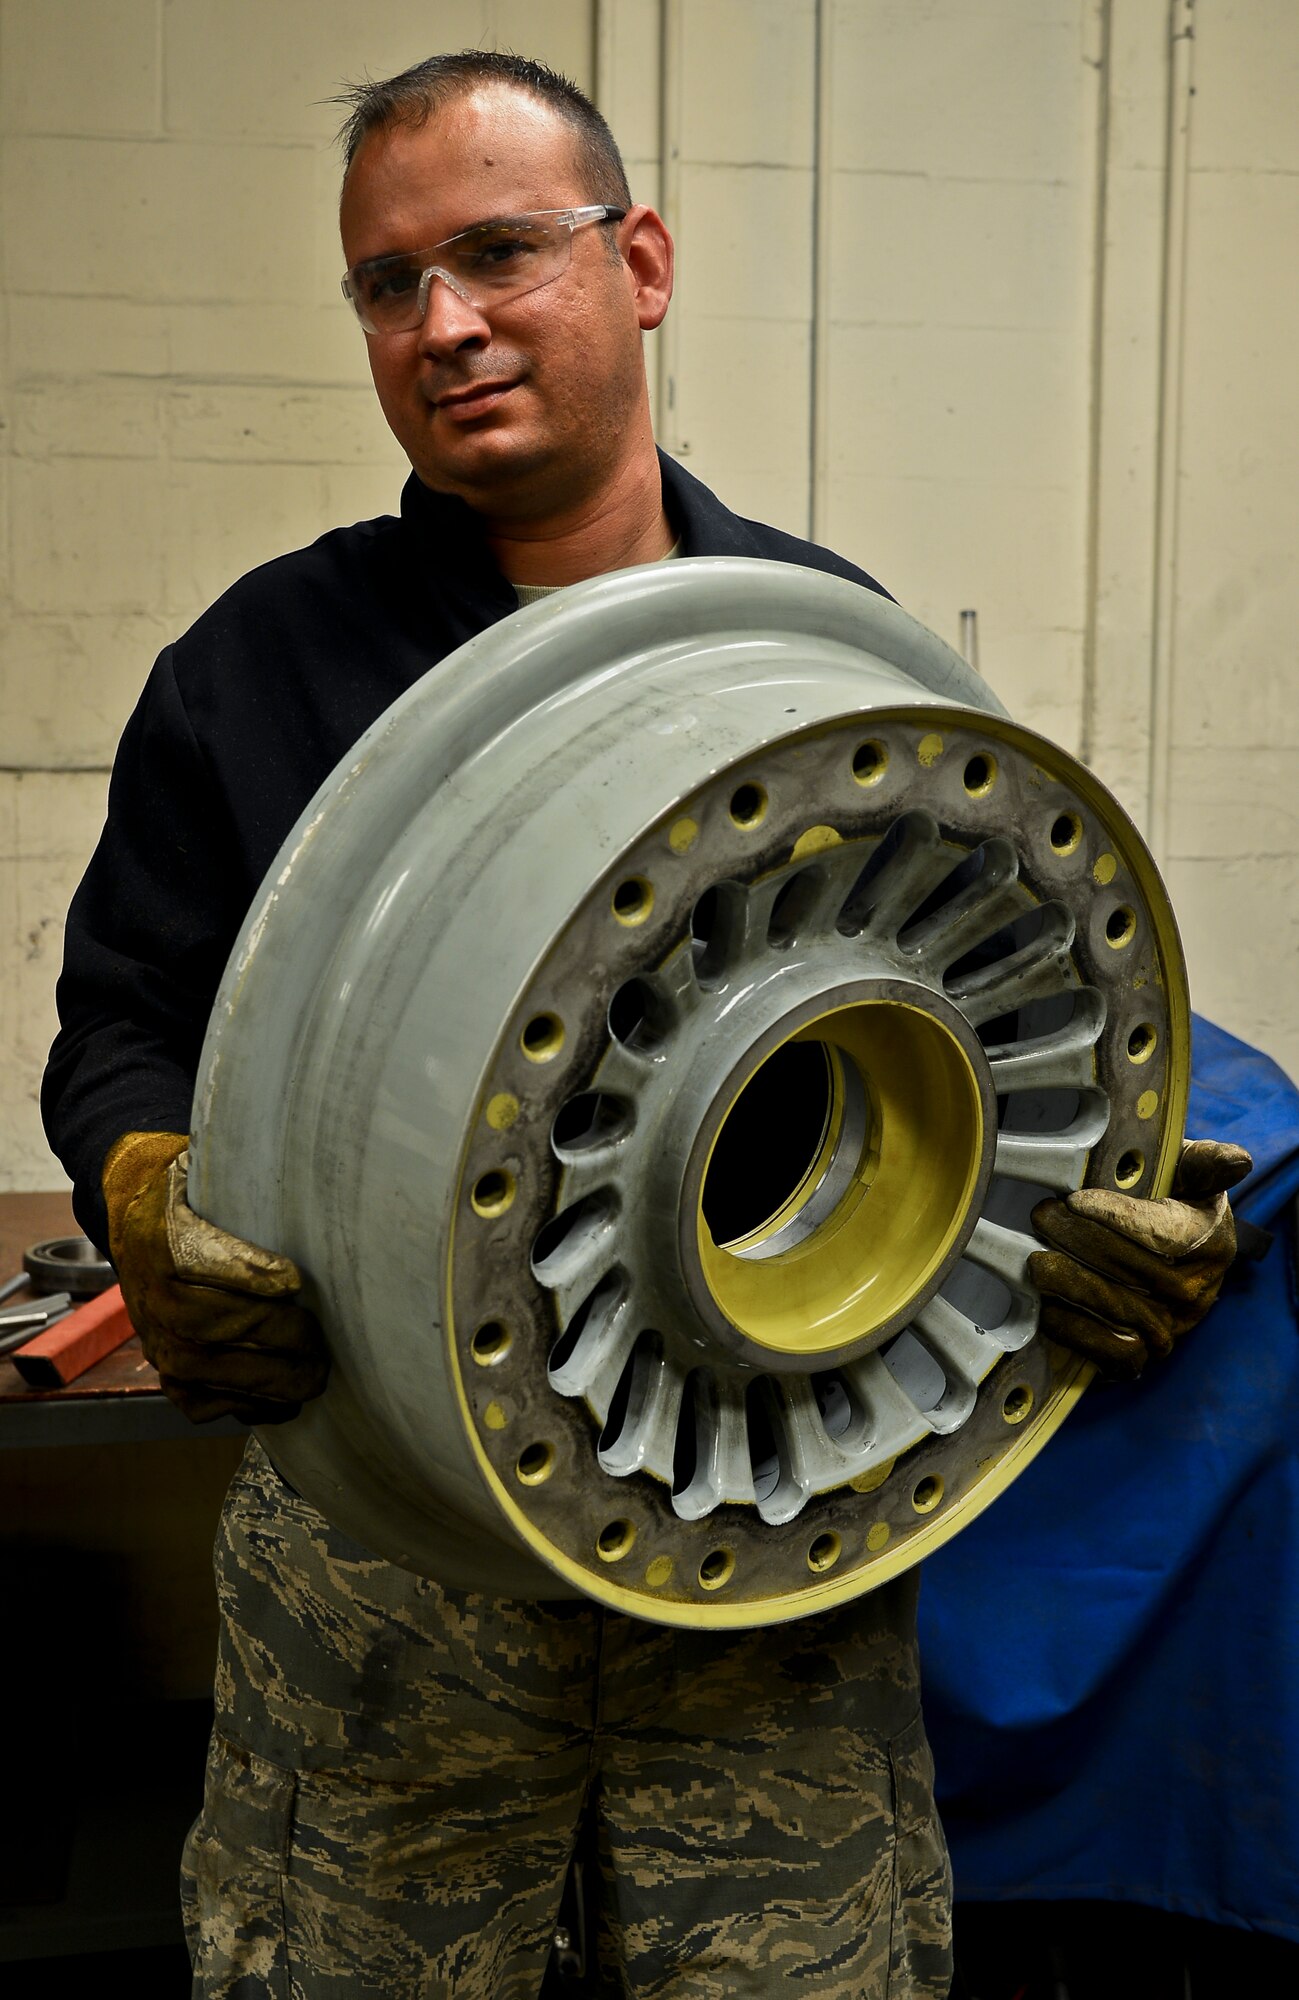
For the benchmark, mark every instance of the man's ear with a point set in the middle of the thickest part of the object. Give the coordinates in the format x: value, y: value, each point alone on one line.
x: 649, y: 255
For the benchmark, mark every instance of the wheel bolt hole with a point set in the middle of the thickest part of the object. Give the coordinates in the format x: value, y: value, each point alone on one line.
x: 593, y: 1118
x: 637, y: 1017
x: 614, y: 1540
x: 1120, y: 926
x: 535, y: 1464
x: 869, y: 762
x: 824, y: 1552
x: 490, y: 1344
x: 1141, y: 1042
x: 542, y: 1037
x: 927, y: 1494
x: 1018, y: 1403
x: 793, y: 907
x: 717, y: 1568
x: 492, y: 1193
x: 714, y: 930
x: 748, y: 805
x: 980, y: 775
x: 633, y: 900
x: 1130, y: 1168
x: 703, y: 920
x: 1066, y: 832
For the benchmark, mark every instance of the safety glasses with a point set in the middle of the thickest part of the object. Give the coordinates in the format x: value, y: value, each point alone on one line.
x: 485, y: 266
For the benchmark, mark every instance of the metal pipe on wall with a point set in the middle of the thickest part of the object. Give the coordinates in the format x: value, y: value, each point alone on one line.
x: 818, y: 483
x: 1181, y: 90
x: 1104, y: 62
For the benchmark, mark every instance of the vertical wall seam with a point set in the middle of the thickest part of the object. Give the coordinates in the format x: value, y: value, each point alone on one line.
x: 1181, y: 44
x: 1100, y: 230
x: 818, y: 423
x: 160, y: 72
x: 602, y: 45
x: 164, y: 407
x: 670, y: 201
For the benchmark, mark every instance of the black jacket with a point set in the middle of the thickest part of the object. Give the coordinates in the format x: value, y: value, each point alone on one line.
x: 239, y: 724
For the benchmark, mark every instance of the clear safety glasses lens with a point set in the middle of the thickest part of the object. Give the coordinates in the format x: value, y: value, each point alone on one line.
x: 485, y: 266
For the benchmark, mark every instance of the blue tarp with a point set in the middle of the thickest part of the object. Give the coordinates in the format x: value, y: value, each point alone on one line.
x: 1111, y: 1653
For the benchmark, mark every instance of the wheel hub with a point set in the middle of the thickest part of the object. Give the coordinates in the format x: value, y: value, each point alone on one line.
x: 784, y: 1260
x: 849, y: 1254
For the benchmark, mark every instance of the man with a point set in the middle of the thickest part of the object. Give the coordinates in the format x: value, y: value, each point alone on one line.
x: 398, y: 1771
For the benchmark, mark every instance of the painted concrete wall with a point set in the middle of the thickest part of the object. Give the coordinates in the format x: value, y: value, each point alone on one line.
x: 996, y: 299
x: 185, y: 391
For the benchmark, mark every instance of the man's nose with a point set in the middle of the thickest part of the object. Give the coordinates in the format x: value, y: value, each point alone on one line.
x: 450, y: 320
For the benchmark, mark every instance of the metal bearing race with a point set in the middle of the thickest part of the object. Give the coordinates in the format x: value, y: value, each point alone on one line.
x: 68, y: 1264
x: 717, y: 1309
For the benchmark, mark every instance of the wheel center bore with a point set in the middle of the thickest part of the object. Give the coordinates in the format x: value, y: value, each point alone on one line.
x: 772, y: 1141
x: 827, y: 1212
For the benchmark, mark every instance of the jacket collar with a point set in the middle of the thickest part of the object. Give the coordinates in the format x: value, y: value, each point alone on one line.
x: 453, y: 534
x: 705, y: 527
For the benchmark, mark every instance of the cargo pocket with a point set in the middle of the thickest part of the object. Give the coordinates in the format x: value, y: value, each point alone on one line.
x: 920, y: 1945
x: 232, y: 1878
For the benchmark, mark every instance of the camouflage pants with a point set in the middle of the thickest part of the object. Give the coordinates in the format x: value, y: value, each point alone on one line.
x: 398, y: 1770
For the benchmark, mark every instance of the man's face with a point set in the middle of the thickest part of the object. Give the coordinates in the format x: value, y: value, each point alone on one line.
x: 516, y: 407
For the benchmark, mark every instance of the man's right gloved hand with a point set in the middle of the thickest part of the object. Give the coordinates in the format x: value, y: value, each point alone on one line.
x: 216, y: 1316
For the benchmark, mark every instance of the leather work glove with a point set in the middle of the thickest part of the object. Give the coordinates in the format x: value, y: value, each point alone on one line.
x: 215, y: 1315
x: 1125, y: 1277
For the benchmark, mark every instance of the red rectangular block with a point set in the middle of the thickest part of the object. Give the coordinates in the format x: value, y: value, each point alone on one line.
x: 55, y: 1358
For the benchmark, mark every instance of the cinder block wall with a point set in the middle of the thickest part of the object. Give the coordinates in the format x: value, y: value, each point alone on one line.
x: 997, y: 301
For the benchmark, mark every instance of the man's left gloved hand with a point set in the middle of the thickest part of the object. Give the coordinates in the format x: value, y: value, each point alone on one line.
x: 1124, y: 1276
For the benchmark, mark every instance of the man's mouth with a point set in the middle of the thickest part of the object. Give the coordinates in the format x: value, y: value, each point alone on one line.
x: 474, y: 400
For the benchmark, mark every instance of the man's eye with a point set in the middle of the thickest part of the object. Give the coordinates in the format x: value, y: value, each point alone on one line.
x: 499, y: 253
x: 385, y: 286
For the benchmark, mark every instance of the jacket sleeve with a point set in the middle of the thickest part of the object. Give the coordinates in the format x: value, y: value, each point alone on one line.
x: 147, y: 938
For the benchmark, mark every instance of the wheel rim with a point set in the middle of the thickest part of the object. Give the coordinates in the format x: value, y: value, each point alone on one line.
x: 711, y: 1360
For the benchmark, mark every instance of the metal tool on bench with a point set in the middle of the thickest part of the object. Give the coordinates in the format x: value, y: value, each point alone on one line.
x: 60, y: 1272
x: 72, y: 1281
x: 21, y: 1323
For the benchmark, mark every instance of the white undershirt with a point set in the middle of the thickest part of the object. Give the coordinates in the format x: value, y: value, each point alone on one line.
x: 529, y: 593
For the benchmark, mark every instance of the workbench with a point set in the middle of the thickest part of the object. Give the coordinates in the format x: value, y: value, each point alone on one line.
x: 118, y: 1401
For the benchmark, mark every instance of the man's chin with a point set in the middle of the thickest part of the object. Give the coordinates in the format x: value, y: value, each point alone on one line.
x: 491, y: 472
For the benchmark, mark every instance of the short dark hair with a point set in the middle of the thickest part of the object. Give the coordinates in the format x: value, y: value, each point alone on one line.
x: 419, y: 92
